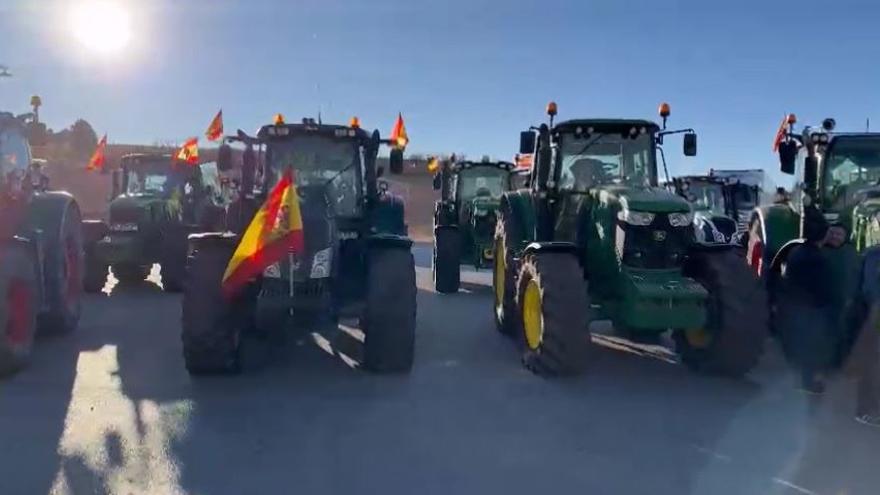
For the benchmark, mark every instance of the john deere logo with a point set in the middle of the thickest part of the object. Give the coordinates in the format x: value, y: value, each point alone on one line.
x: 659, y: 235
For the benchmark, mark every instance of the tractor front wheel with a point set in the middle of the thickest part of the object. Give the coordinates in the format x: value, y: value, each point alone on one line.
x: 211, y: 325
x: 446, y: 262
x: 504, y: 273
x: 389, y: 320
x: 18, y: 306
x: 737, y: 321
x: 554, y: 314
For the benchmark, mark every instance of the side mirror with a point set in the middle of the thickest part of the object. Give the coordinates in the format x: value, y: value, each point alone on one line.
x: 224, y: 158
x: 527, y: 141
x: 690, y: 144
x: 811, y: 173
x: 380, y: 171
x: 395, y: 161
x: 787, y: 157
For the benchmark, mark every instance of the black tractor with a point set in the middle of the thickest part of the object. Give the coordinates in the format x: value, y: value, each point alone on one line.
x: 156, y: 202
x: 356, y: 263
x: 464, y: 217
x: 41, y: 249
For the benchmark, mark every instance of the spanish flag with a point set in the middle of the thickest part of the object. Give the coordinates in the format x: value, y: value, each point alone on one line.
x: 780, y: 134
x: 398, y: 133
x: 189, y: 152
x: 433, y: 165
x: 275, y: 231
x: 96, y: 162
x: 215, y: 129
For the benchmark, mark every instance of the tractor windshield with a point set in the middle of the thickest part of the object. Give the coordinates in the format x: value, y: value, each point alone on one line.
x: 331, y: 164
x: 601, y: 159
x: 149, y: 178
x: 482, y: 181
x: 14, y: 153
x: 706, y: 196
x: 852, y: 165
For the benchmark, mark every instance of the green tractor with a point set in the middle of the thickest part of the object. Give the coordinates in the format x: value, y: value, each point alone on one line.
x: 718, y: 205
x: 156, y: 202
x: 595, y: 237
x: 464, y: 217
x: 41, y: 250
x: 357, y: 263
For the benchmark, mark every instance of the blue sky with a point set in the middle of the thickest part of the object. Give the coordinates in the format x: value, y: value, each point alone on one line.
x: 468, y: 75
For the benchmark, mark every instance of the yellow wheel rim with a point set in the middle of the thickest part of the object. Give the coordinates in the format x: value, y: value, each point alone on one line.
x: 698, y: 338
x: 499, y: 273
x: 533, y: 318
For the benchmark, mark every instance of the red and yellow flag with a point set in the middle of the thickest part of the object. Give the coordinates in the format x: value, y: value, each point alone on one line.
x: 96, y: 162
x: 780, y: 134
x: 215, y: 129
x: 433, y: 165
x: 399, y: 137
x: 275, y: 231
x: 189, y: 152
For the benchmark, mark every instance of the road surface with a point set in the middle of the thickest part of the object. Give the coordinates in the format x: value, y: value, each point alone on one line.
x: 110, y: 409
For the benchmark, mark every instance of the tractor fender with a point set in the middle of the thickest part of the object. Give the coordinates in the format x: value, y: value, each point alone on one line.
x: 387, y: 215
x: 518, y: 204
x: 779, y: 224
x: 195, y: 241
x: 551, y: 247
x: 94, y: 231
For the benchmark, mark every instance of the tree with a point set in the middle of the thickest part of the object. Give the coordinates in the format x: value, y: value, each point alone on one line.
x: 83, y: 138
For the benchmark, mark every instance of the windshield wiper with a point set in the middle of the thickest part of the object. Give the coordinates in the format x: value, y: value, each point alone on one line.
x: 589, y: 144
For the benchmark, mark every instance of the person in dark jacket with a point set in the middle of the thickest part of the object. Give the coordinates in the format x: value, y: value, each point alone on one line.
x: 808, y: 330
x: 864, y: 360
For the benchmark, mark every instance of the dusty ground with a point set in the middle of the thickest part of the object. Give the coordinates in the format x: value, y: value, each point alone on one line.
x: 110, y: 409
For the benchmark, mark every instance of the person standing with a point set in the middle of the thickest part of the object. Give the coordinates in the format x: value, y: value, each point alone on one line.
x: 807, y: 326
x: 864, y: 360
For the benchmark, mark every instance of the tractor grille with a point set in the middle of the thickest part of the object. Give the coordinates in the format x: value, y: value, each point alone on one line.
x: 655, y: 246
x: 126, y: 215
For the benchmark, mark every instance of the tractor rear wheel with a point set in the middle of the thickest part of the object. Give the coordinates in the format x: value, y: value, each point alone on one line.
x: 554, y: 314
x: 18, y: 306
x: 447, y: 260
x: 130, y: 274
x: 212, y: 326
x: 63, y: 266
x: 737, y: 319
x: 95, y: 270
x: 173, y: 262
x: 389, y: 320
x: 505, y: 271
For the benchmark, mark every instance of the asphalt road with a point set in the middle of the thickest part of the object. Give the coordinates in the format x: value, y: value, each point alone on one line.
x: 110, y: 409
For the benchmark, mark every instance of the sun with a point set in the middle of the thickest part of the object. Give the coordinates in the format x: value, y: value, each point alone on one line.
x: 101, y: 26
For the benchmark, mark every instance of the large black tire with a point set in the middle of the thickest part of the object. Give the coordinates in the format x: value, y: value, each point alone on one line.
x: 447, y: 260
x: 563, y: 345
x: 58, y: 216
x: 130, y: 274
x: 737, y: 324
x: 389, y: 320
x: 505, y: 271
x: 18, y: 305
x: 212, y: 326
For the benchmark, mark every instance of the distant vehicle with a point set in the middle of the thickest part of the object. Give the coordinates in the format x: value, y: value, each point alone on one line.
x: 357, y: 262
x: 156, y: 202
x: 722, y: 203
x: 464, y: 217
x: 41, y: 251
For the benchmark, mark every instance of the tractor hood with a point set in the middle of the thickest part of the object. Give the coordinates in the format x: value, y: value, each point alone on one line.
x: 649, y: 199
x: 132, y: 209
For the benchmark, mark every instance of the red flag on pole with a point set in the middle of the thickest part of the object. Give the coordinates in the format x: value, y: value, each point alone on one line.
x: 780, y: 133
x: 96, y: 162
x: 399, y: 138
x: 189, y: 152
x: 215, y: 129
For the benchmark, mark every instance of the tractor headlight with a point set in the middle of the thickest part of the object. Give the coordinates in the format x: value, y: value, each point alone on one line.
x: 123, y: 227
x: 681, y: 219
x: 272, y: 271
x: 321, y: 263
x: 640, y: 218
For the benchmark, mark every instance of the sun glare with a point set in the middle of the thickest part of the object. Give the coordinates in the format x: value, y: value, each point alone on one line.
x: 101, y: 26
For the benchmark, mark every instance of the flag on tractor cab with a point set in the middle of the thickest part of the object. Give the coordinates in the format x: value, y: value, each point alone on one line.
x: 524, y: 161
x: 433, y: 164
x: 780, y: 134
x: 398, y: 133
x: 96, y: 162
x: 215, y: 129
x: 189, y: 152
x: 275, y: 232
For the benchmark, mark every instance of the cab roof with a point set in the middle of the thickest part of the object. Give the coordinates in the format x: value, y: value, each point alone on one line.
x: 571, y: 125
x: 271, y: 131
